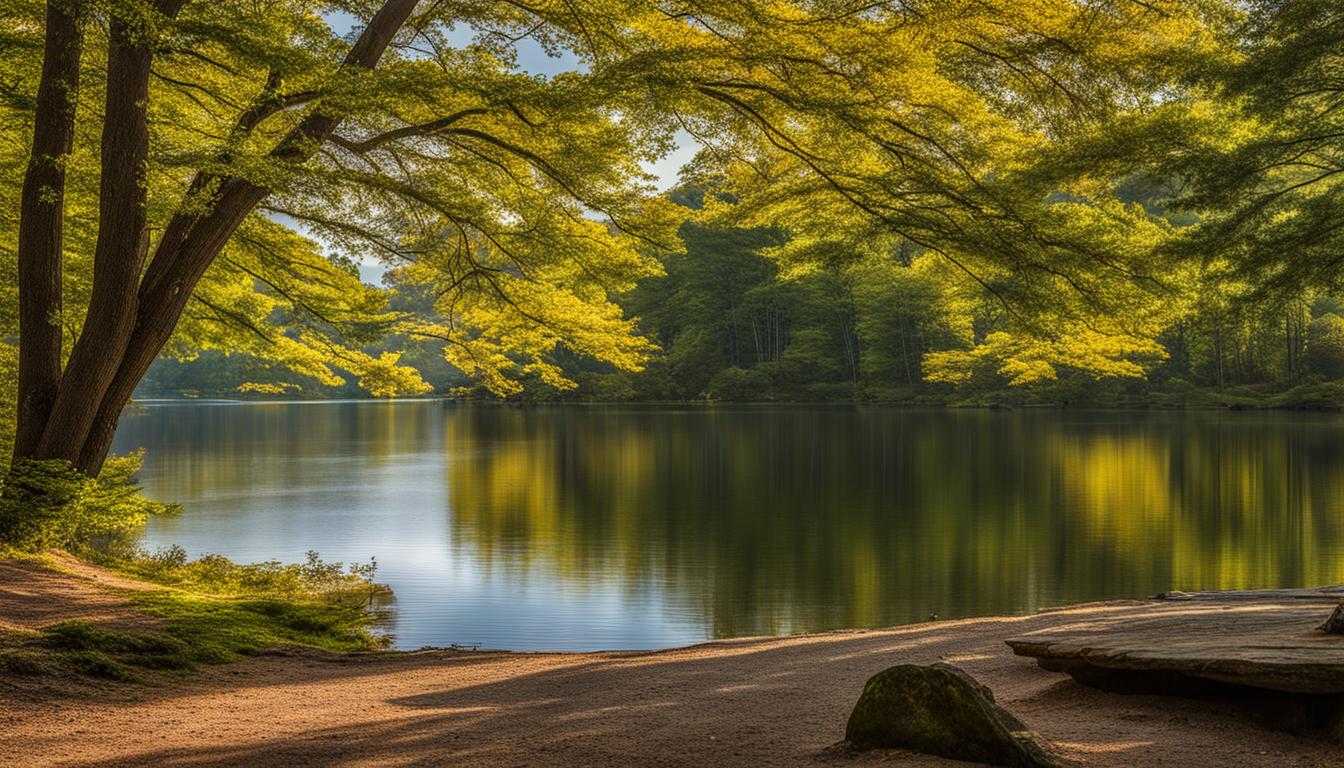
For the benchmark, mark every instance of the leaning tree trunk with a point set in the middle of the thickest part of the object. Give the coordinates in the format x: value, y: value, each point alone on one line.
x: 130, y: 316
x: 41, y: 225
x: 118, y: 251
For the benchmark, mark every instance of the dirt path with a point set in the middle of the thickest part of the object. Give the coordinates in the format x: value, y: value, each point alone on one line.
x: 59, y: 587
x: 759, y: 702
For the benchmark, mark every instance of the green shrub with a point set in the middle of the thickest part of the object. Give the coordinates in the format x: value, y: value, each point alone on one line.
x: 1315, y: 396
x: 51, y: 504
x: 314, y: 580
x: 739, y: 385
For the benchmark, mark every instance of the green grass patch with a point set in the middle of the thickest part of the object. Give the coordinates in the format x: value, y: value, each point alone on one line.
x: 23, y: 661
x: 217, y: 629
x: 89, y: 650
x: 210, y: 610
x: 197, y: 629
x: 97, y: 664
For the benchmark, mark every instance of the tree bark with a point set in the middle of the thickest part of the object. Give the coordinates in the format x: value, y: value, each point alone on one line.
x: 191, y: 242
x: 119, y: 248
x: 41, y: 224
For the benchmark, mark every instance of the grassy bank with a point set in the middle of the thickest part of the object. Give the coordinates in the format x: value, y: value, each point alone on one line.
x: 204, y: 611
x: 179, y: 612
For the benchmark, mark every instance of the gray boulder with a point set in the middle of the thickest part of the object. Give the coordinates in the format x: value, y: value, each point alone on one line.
x: 941, y: 710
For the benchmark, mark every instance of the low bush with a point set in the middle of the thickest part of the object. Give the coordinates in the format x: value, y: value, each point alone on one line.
x: 314, y: 580
x: 45, y: 504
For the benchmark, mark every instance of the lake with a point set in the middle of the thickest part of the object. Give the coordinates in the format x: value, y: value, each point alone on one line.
x: 604, y: 527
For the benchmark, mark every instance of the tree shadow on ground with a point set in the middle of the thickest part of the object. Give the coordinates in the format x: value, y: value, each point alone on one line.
x: 745, y: 703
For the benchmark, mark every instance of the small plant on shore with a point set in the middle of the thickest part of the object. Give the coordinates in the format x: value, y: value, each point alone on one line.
x: 210, y: 610
x: 314, y: 580
x: 196, y: 629
x: 223, y: 610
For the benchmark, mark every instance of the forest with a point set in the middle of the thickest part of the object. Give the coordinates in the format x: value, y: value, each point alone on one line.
x: 891, y: 327
x: 1099, y: 202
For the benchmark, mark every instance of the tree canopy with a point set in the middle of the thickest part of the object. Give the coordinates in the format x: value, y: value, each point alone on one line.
x: 888, y: 195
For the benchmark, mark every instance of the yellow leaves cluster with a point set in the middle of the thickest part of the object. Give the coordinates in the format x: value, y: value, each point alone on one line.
x: 274, y: 296
x: 505, y: 333
x: 1025, y: 360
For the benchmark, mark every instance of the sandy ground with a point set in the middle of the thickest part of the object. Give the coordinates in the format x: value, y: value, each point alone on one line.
x: 755, y: 702
x: 68, y: 588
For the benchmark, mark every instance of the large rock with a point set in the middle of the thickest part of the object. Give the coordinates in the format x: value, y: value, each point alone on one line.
x: 1195, y: 643
x: 941, y: 710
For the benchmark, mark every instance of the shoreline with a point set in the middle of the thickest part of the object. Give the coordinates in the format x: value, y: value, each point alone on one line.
x: 738, y: 702
x: 1250, y: 406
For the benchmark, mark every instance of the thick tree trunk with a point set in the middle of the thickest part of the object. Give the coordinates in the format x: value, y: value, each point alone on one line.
x: 190, y: 243
x: 129, y: 318
x: 41, y: 225
x: 187, y: 248
x: 119, y: 249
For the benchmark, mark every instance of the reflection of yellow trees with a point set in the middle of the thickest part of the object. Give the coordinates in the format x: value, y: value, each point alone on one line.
x: 514, y: 481
x: 769, y: 520
x: 764, y: 521
x: 1241, y: 504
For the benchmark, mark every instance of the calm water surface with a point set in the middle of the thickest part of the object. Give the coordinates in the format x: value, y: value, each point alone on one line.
x: 642, y: 527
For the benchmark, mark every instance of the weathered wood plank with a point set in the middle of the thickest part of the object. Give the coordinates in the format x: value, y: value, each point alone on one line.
x: 1262, y: 639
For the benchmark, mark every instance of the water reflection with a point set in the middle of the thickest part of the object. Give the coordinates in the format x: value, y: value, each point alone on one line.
x: 605, y: 527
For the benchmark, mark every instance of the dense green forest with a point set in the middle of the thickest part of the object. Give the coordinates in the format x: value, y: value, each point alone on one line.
x: 893, y: 326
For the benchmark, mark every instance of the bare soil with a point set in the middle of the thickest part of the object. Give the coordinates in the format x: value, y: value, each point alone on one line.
x: 59, y: 587
x: 752, y: 702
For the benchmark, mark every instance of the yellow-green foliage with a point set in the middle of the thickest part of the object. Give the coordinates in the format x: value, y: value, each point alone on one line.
x: 51, y: 504
x: 1028, y: 361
